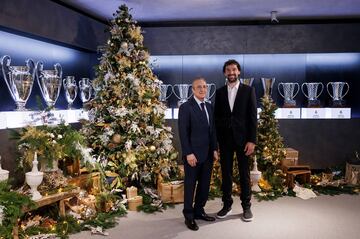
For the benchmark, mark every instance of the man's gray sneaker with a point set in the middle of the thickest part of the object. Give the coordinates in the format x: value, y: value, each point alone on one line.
x: 247, y: 215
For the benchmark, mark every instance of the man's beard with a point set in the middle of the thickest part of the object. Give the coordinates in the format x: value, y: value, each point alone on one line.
x: 232, y: 79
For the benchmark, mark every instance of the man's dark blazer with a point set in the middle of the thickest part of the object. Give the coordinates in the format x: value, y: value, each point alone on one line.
x: 242, y: 121
x: 196, y: 135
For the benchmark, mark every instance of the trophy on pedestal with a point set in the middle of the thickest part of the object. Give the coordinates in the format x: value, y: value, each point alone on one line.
x: 183, y: 90
x: 70, y: 89
x: 209, y: 95
x: 312, y: 89
x: 85, y: 89
x: 49, y: 82
x: 338, y: 94
x: 289, y: 93
x: 247, y: 81
x: 164, y: 92
x: 267, y: 84
x: 19, y: 80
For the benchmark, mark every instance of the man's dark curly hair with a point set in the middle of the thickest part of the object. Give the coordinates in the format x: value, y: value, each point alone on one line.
x: 231, y: 62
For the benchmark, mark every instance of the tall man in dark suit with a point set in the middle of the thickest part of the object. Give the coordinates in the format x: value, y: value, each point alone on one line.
x: 199, y: 147
x: 236, y: 124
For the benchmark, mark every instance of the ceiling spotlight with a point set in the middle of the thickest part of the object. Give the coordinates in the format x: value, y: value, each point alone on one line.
x: 274, y: 17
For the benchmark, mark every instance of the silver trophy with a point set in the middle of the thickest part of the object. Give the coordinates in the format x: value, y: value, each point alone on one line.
x: 85, y: 89
x: 211, y: 89
x: 19, y: 80
x: 247, y: 81
x: 183, y: 90
x: 165, y: 93
x: 289, y: 93
x: 267, y: 84
x: 49, y: 82
x: 70, y: 89
x: 338, y: 94
x: 312, y: 89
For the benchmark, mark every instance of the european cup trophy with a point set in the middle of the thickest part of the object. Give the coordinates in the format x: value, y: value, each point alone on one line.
x: 312, y: 89
x: 164, y: 92
x: 211, y: 89
x: 289, y: 93
x: 70, y: 89
x: 267, y: 84
x: 337, y: 93
x: 49, y: 82
x: 19, y: 80
x: 85, y: 89
x: 183, y: 90
x: 247, y: 81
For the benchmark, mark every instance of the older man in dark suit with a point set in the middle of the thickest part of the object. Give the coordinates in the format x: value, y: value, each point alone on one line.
x: 198, y: 144
x: 236, y: 124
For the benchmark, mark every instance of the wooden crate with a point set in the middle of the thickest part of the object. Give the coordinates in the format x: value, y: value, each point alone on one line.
x: 172, y: 192
x: 89, y: 181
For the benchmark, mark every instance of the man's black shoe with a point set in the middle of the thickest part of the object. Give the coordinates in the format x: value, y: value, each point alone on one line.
x: 205, y: 217
x: 224, y: 212
x: 191, y: 224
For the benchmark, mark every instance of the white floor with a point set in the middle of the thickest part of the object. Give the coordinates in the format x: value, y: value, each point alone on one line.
x: 323, y: 217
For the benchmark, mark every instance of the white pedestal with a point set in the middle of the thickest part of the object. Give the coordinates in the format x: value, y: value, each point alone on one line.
x: 313, y: 113
x: 169, y: 113
x: 338, y: 113
x: 288, y: 113
x: 175, y: 113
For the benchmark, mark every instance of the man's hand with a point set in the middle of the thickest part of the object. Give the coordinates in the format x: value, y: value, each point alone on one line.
x: 249, y: 148
x: 216, y: 156
x: 191, y: 159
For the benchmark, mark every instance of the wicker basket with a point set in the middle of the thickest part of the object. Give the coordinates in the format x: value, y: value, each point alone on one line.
x: 134, y: 202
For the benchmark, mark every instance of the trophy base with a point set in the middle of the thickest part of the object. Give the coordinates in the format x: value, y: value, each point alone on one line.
x: 289, y: 104
x: 20, y: 106
x: 313, y: 104
x: 338, y: 103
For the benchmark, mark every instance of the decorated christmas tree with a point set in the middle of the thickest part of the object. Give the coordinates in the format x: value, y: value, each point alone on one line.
x: 126, y: 127
x: 270, y: 148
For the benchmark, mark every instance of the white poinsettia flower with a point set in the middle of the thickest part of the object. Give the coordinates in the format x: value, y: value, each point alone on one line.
x: 128, y: 145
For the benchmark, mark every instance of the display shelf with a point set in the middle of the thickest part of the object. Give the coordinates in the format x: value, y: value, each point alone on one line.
x: 18, y: 119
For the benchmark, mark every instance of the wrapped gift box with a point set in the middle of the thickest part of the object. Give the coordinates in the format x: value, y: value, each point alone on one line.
x: 171, y: 192
x: 134, y: 202
x: 131, y: 192
x: 291, y: 157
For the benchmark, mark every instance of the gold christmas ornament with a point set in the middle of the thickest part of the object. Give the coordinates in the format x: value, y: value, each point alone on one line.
x: 116, y: 138
x: 152, y: 148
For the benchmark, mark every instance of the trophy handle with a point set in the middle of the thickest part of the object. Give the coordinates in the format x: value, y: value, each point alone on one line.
x: 302, y: 89
x: 298, y: 88
x: 31, y: 65
x: 327, y: 88
x: 5, y: 65
x: 39, y: 69
x: 171, y: 91
x: 58, y: 70
x: 322, y: 88
x: 210, y: 85
x: 191, y: 94
x: 348, y: 88
x: 279, y: 89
